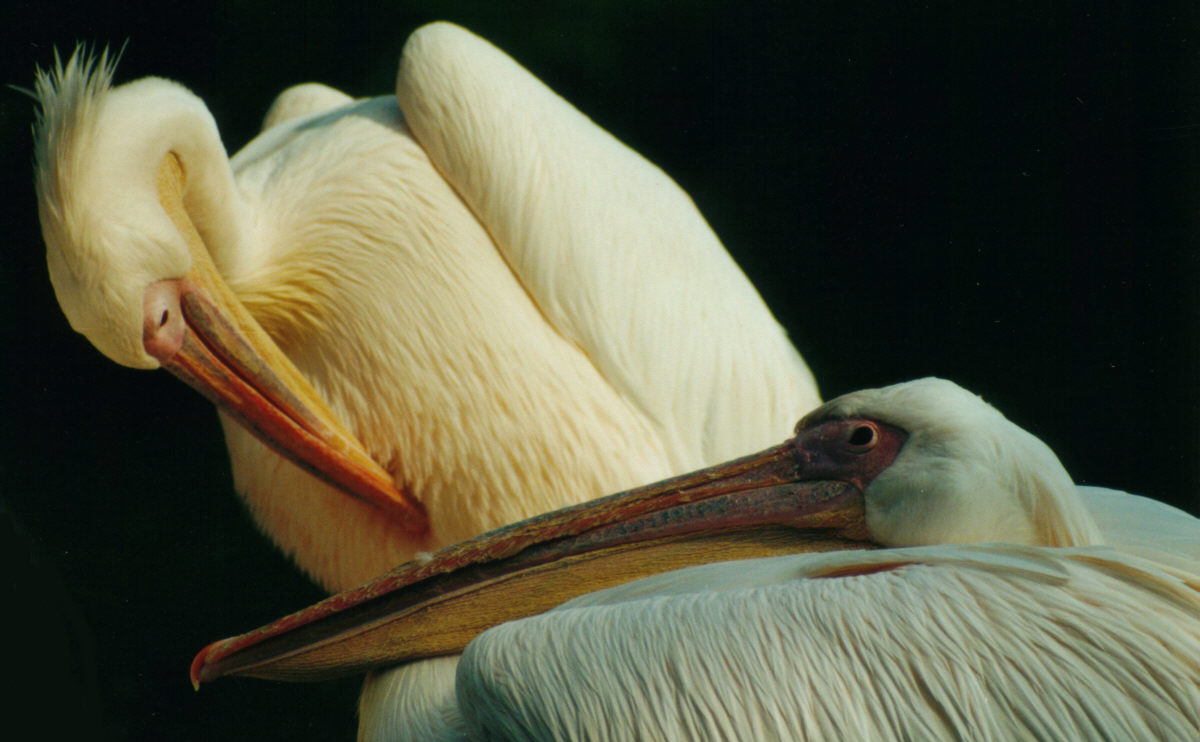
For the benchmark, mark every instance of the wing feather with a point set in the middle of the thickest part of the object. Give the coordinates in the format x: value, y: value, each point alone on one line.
x: 635, y: 277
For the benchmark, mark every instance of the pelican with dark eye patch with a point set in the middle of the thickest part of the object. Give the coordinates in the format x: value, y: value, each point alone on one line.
x: 994, y: 598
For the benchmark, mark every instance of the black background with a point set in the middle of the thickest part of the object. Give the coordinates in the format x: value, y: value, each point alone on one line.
x: 1004, y: 195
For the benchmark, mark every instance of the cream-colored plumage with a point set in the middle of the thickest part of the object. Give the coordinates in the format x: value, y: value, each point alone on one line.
x: 548, y: 351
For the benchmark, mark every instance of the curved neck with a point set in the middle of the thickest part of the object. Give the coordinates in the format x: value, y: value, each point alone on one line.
x: 210, y: 195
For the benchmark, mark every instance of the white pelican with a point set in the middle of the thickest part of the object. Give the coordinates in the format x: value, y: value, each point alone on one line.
x: 1043, y: 633
x: 485, y: 301
x: 423, y: 308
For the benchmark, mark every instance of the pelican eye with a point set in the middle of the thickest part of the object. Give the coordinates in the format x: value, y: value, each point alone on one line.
x: 862, y: 436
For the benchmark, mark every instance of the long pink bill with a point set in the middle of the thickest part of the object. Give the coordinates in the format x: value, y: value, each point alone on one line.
x: 762, y: 505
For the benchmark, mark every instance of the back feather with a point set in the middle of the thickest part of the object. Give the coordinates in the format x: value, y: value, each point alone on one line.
x: 949, y: 643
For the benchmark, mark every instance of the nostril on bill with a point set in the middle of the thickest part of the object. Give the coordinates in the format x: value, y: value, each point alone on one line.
x: 163, y: 327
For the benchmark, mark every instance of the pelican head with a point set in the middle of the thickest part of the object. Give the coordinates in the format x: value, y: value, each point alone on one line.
x: 105, y: 244
x: 965, y: 474
x: 139, y: 211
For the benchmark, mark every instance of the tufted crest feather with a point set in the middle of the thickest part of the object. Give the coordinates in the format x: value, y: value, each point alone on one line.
x: 69, y: 98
